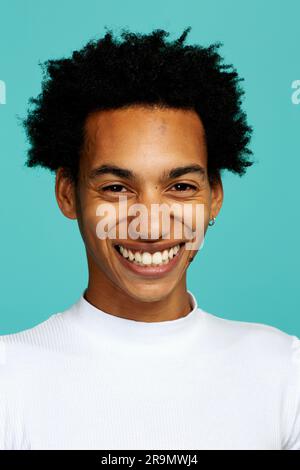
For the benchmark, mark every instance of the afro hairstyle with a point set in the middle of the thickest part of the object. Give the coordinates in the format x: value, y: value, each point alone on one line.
x: 137, y: 69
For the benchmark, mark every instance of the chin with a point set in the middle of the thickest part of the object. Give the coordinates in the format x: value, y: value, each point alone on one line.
x: 149, y: 292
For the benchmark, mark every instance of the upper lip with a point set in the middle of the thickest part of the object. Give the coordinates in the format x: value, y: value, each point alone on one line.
x: 150, y: 247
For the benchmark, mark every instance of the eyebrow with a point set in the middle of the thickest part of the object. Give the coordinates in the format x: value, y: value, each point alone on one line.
x: 183, y: 170
x: 111, y: 169
x: 128, y: 174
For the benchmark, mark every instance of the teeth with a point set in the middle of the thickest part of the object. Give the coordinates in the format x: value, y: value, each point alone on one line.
x: 157, y: 258
x: 130, y: 255
x: 146, y: 259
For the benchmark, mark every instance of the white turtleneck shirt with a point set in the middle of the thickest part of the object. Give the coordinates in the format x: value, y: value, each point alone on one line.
x: 87, y: 379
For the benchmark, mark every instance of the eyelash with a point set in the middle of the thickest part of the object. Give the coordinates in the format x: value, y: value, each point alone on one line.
x: 191, y: 186
x: 107, y: 188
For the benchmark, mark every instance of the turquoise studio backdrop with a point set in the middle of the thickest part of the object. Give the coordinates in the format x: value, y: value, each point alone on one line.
x: 248, y: 269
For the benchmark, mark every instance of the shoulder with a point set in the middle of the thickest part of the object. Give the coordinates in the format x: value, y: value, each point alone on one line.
x: 27, y: 357
x: 269, y: 357
x: 49, y: 336
x: 255, y: 338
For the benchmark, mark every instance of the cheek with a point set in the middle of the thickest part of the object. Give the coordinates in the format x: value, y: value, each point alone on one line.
x: 90, y: 221
x: 201, y: 211
x: 88, y: 225
x: 94, y: 243
x: 196, y: 225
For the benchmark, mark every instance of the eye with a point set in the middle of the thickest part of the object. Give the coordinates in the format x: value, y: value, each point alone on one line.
x: 183, y: 186
x: 115, y: 188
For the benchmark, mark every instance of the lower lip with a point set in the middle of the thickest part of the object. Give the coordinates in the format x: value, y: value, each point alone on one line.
x: 151, y: 271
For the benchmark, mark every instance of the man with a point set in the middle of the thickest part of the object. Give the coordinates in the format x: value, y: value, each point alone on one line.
x: 134, y: 363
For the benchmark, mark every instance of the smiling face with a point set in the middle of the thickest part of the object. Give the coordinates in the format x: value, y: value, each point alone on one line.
x: 151, y: 156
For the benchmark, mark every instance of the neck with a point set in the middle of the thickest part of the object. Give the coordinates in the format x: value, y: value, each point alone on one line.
x: 110, y: 298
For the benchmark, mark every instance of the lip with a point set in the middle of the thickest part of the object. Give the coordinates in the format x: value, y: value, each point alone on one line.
x: 150, y: 247
x: 151, y: 271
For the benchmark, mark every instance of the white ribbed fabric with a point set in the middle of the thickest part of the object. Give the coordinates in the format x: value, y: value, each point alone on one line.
x: 86, y: 379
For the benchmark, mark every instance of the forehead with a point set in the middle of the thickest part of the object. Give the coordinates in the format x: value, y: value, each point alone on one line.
x: 139, y: 134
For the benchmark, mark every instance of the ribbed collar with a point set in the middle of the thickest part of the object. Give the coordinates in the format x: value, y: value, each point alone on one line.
x: 111, y: 326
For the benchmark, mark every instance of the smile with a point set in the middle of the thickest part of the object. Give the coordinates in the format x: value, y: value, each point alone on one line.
x: 155, y: 263
x: 147, y: 259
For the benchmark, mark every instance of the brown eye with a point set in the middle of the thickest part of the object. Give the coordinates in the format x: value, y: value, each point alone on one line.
x: 115, y: 188
x: 183, y: 186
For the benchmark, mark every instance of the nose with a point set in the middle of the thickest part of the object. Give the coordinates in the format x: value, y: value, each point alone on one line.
x: 155, y: 215
x: 149, y: 202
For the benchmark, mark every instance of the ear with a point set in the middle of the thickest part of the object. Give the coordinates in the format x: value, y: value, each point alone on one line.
x: 65, y: 193
x: 217, y: 196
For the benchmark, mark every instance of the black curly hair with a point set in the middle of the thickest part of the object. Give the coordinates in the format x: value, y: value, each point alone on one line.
x: 140, y: 69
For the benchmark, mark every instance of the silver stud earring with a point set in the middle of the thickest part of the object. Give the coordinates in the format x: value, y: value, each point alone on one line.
x: 212, y: 221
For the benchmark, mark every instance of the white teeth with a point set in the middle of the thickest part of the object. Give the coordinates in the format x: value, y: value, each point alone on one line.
x: 146, y: 259
x: 130, y: 255
x: 157, y: 258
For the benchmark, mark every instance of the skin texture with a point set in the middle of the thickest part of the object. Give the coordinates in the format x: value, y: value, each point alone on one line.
x: 148, y: 141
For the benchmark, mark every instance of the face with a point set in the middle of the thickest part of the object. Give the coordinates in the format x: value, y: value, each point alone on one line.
x: 148, y: 156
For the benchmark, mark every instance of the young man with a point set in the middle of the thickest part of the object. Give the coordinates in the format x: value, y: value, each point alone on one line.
x: 135, y: 363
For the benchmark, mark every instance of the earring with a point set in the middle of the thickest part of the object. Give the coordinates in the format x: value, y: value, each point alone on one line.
x: 212, y: 221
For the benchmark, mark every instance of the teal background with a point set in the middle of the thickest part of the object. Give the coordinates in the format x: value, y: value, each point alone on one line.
x: 249, y: 267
